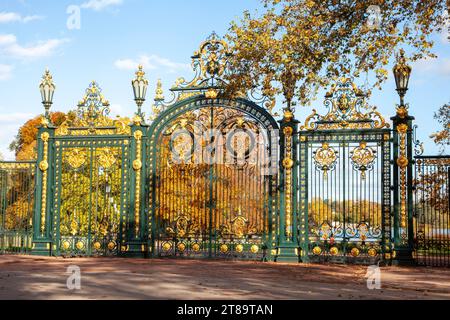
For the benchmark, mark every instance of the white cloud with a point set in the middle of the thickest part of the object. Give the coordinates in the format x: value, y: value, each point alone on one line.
x: 5, y: 71
x: 116, y: 109
x: 18, y: 117
x: 7, y: 17
x: 99, y: 5
x: 150, y: 62
x: 10, y: 123
x: 11, y: 48
x: 439, y: 66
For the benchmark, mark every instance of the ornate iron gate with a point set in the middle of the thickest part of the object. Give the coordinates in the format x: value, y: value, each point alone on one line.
x: 345, y: 181
x: 16, y: 206
x: 432, y: 211
x: 91, y: 155
x: 213, y: 191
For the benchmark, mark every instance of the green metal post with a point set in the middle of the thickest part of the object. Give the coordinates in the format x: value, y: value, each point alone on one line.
x: 403, y: 190
x: 137, y: 226
x: 288, y: 247
x: 42, y: 218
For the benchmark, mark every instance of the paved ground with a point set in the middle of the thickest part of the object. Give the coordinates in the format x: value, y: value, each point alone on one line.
x: 45, y: 278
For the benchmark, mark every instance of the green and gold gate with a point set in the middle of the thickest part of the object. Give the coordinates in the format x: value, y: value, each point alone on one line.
x: 89, y: 180
x: 213, y: 164
x: 213, y: 188
x: 212, y: 174
x: 16, y: 206
x: 345, y: 181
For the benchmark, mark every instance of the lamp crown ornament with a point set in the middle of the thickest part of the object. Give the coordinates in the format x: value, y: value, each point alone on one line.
x: 140, y: 85
x: 47, y: 88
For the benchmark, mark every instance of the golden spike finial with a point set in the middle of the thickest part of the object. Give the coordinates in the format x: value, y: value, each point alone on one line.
x: 159, y: 91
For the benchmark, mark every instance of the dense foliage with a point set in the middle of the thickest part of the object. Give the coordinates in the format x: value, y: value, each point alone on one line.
x: 297, y: 47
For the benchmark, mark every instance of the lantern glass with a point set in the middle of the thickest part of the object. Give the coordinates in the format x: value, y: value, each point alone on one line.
x: 402, y: 73
x: 47, y: 88
x: 140, y: 85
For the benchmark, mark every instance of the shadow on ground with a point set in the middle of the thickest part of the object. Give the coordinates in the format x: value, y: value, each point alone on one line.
x: 45, y: 278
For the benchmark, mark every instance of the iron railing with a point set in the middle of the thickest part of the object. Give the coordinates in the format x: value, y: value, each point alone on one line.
x: 432, y: 211
x: 16, y: 206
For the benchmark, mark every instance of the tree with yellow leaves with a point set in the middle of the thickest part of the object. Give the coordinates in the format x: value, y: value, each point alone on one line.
x: 297, y: 47
x: 442, y: 138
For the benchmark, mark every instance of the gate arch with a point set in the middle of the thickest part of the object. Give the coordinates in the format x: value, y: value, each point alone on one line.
x: 226, y: 205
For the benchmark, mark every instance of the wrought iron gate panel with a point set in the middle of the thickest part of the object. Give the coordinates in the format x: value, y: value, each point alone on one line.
x: 432, y: 211
x: 17, y: 187
x: 345, y: 195
x: 210, y: 202
x: 91, y: 210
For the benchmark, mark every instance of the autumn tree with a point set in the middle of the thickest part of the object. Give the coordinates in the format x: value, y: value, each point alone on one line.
x: 24, y: 144
x: 297, y: 47
x: 442, y: 138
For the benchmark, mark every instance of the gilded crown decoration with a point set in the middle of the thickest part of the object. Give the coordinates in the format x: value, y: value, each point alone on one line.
x: 347, y: 109
x: 92, y: 117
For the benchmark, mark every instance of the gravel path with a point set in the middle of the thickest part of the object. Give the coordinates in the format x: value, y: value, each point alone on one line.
x: 24, y: 277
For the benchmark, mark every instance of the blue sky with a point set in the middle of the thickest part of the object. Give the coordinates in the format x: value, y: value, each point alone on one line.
x: 115, y: 35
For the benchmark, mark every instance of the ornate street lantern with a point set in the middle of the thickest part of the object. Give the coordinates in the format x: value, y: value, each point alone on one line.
x: 402, y: 73
x: 140, y: 85
x: 47, y: 88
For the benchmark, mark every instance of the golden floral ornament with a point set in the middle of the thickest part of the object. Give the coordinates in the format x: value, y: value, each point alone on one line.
x: 254, y: 249
x: 80, y: 245
x: 66, y: 245
x: 372, y: 252
x: 288, y: 115
x: 196, y: 247
x: 137, y: 164
x: 239, y: 248
x: 97, y: 245
x: 334, y: 251
x: 355, y: 252
x: 76, y: 157
x: 402, y: 162
x: 167, y: 247
x: 137, y: 120
x: 45, y: 136
x: 402, y: 112
x: 325, y: 158
x: 317, y: 251
x: 181, y: 247
x: 288, y: 131
x: 43, y: 165
x: 211, y: 94
x: 288, y: 163
x: 402, y: 128
x: 224, y: 248
x: 363, y: 158
x: 138, y: 135
x: 111, y: 245
x: 106, y: 158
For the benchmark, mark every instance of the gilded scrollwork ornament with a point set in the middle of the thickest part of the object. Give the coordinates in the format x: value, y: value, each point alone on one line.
x: 363, y: 158
x: 347, y: 109
x: 325, y: 158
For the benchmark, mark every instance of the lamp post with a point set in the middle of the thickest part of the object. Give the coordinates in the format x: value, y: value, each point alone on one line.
x: 403, y: 167
x: 47, y: 88
x: 140, y: 85
x: 402, y: 73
